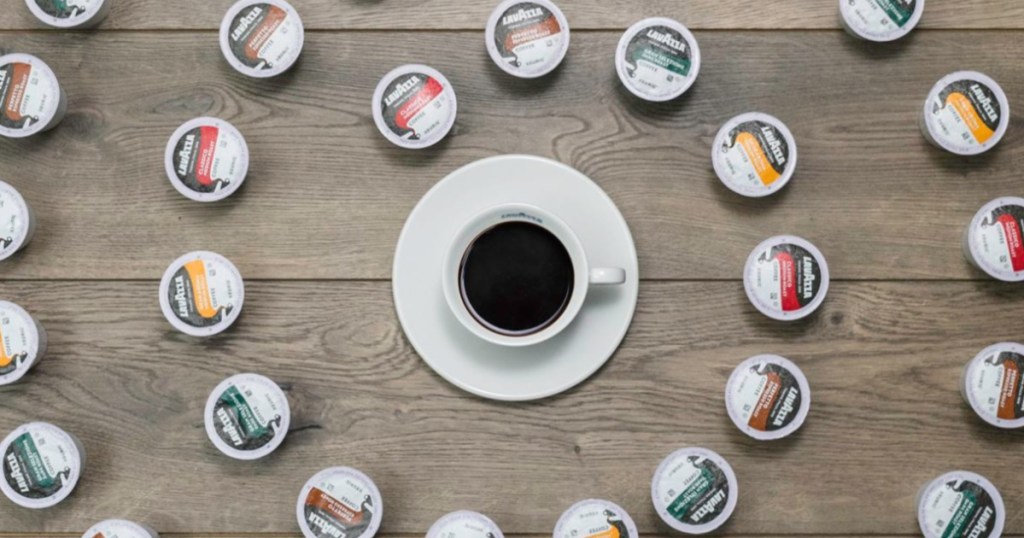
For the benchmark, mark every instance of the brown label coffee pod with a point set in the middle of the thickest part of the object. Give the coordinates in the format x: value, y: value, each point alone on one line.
x: 69, y: 13
x: 42, y: 465
x: 339, y: 501
x: 119, y: 528
x: 261, y: 38
x: 786, y: 278
x: 657, y: 59
x: 464, y: 524
x: 966, y: 113
x: 527, y: 38
x: 17, y: 222
x: 960, y: 504
x: 767, y: 397
x: 595, y: 518
x: 206, y: 159
x: 880, y: 20
x: 201, y: 293
x: 694, y: 490
x: 32, y: 99
x: 414, y: 106
x: 993, y: 385
x: 247, y: 416
x: 22, y: 342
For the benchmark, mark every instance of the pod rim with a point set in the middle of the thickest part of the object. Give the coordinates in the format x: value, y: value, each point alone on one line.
x: 743, y: 190
x: 627, y: 36
x: 815, y: 303
x: 77, y: 458
x: 265, y: 450
x: 378, y: 113
x: 174, y: 320
x: 967, y: 151
x: 52, y: 108
x: 378, y: 513
x: 730, y: 503
x: 496, y: 57
x: 225, y: 30
x: 172, y: 175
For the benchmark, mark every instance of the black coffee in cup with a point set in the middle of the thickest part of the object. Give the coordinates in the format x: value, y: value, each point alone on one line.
x: 516, y: 278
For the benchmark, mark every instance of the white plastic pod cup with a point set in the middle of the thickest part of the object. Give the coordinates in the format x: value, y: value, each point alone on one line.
x: 414, y: 106
x: 960, y: 504
x: 694, y: 490
x: 992, y: 383
x: 339, y: 501
x: 880, y: 20
x: 261, y: 38
x: 994, y: 239
x: 966, y: 113
x: 71, y: 14
x: 22, y: 342
x: 767, y: 397
x: 786, y: 278
x: 657, y: 59
x: 41, y: 465
x: 595, y: 518
x: 754, y: 154
x: 120, y: 528
x: 464, y: 524
x: 206, y: 159
x: 527, y: 38
x: 247, y: 416
x: 201, y: 293
x: 17, y: 221
x: 33, y: 100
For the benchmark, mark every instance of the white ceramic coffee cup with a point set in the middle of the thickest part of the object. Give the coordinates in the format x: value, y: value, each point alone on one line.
x: 584, y: 275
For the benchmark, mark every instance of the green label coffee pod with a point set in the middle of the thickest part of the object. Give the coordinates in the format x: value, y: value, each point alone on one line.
x: 206, y: 159
x: 880, y: 20
x: 994, y: 240
x: 993, y: 385
x: 247, y: 416
x: 464, y: 524
x: 960, y: 504
x: 69, y: 13
x: 767, y: 397
x: 42, y: 465
x: 595, y: 518
x: 694, y: 490
x: 754, y: 154
x: 30, y: 95
x: 527, y: 39
x: 201, y: 293
x: 17, y: 222
x: 339, y: 502
x: 657, y: 59
x: 119, y: 528
x: 966, y: 113
x: 414, y: 106
x: 22, y: 342
x: 261, y: 38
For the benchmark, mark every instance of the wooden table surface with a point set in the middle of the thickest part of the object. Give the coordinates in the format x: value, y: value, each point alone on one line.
x: 314, y: 228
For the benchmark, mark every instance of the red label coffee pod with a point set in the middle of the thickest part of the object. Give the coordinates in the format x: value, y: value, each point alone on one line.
x: 993, y: 385
x: 694, y: 490
x: 32, y: 99
x: 17, y: 222
x: 201, y: 293
x: 786, y: 278
x: 42, y: 465
x: 527, y: 39
x: 657, y: 59
x: 595, y: 518
x: 22, y: 342
x: 994, y: 240
x: 261, y: 38
x: 966, y: 113
x: 754, y: 154
x: 767, y: 397
x: 464, y: 524
x: 247, y: 416
x: 414, y: 106
x: 339, y: 501
x: 960, y: 504
x: 69, y: 13
x: 880, y: 20
x: 206, y: 159
x: 119, y: 528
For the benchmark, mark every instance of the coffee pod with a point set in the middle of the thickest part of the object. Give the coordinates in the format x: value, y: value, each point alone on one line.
x: 414, y: 106
x: 786, y: 278
x: 42, y: 465
x: 767, y: 397
x: 658, y: 59
x: 33, y: 100
x: 17, y: 222
x: 464, y: 524
x: 994, y: 240
x: 993, y: 385
x: 69, y: 14
x: 206, y: 159
x: 694, y: 490
x: 339, y: 501
x: 247, y: 416
x: 880, y: 20
x: 22, y: 342
x: 119, y: 528
x: 527, y: 39
x: 201, y: 293
x: 960, y: 504
x: 595, y: 518
x: 966, y: 113
x: 754, y: 154
x: 261, y: 38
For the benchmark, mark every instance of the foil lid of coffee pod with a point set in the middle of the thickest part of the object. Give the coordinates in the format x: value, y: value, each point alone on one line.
x: 41, y: 465
x: 966, y: 113
x: 960, y: 504
x: 464, y: 524
x: 786, y: 278
x: 30, y: 94
x: 595, y: 518
x: 261, y: 38
x: 754, y: 154
x: 993, y: 385
x: 414, y: 106
x: 201, y: 293
x: 119, y: 528
x: 527, y: 39
x: 16, y: 223
x: 206, y: 159
x: 767, y: 397
x: 247, y: 416
x: 994, y: 240
x: 22, y: 342
x: 880, y: 20
x: 339, y: 501
x: 694, y: 490
x: 657, y: 59
x: 69, y: 14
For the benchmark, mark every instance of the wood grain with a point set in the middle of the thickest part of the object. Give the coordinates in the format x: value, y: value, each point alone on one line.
x: 327, y: 195
x: 883, y: 360
x: 582, y: 14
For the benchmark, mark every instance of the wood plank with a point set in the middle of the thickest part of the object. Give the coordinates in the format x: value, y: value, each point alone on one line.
x: 582, y: 14
x: 884, y: 360
x: 327, y: 195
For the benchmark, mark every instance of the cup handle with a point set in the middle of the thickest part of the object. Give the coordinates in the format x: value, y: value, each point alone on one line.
x: 604, y: 276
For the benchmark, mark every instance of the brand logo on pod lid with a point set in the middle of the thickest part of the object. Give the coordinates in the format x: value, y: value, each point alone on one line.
x: 339, y: 502
x: 16, y: 222
x: 994, y: 240
x: 754, y: 154
x: 201, y: 293
x: 993, y: 385
x: 22, y: 342
x: 966, y: 113
x: 464, y: 524
x: 247, y: 416
x: 31, y: 100
x: 41, y: 465
x: 694, y: 490
x: 786, y: 278
x: 595, y: 518
x: 880, y: 20
x: 414, y: 106
x: 527, y: 39
x: 206, y: 159
x: 960, y: 504
x: 261, y: 38
x: 657, y: 59
x: 767, y: 397
x: 119, y: 528
x: 69, y: 13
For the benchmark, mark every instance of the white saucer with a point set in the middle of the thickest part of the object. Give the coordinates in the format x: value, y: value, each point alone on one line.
x: 490, y: 370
